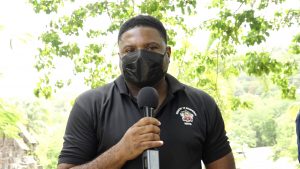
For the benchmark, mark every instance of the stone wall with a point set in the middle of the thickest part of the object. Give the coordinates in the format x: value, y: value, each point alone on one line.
x: 17, y: 153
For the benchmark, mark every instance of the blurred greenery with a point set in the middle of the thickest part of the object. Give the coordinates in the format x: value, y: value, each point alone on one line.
x: 46, y: 122
x: 286, y: 138
x: 254, y: 85
x: 9, y: 118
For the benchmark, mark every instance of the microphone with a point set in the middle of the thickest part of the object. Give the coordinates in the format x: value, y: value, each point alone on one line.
x: 147, y: 100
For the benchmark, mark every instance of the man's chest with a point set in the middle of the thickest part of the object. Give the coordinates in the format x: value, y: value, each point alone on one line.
x: 182, y: 128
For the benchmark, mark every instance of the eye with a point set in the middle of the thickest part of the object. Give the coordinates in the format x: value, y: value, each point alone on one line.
x: 128, y: 50
x: 152, y: 47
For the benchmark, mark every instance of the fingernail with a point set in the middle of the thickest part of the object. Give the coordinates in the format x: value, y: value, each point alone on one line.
x: 161, y: 142
x: 159, y: 123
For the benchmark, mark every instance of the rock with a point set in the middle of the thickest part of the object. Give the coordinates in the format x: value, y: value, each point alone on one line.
x: 15, y: 152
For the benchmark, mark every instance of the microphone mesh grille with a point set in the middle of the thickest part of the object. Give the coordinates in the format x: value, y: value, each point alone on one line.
x: 147, y: 97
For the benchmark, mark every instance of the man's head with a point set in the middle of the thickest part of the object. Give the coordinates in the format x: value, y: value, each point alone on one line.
x: 143, y: 50
x: 144, y: 21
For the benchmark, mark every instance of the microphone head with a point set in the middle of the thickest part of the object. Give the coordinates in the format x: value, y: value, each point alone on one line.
x: 147, y: 97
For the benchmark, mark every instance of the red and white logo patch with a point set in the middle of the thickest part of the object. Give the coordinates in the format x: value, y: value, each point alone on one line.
x: 187, y: 115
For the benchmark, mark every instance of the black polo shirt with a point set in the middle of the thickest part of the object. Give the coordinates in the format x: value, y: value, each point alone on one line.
x: 192, y: 127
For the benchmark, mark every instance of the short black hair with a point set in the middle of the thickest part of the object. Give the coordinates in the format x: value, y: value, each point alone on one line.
x: 143, y: 20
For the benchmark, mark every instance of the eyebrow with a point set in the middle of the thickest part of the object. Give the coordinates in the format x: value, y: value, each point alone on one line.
x: 153, y: 43
x: 146, y: 44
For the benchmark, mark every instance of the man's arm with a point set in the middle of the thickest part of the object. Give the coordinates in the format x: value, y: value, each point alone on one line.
x: 141, y: 136
x: 226, y: 162
x: 217, y: 153
x: 111, y: 159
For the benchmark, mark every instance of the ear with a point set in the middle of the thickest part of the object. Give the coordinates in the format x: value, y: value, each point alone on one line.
x: 169, y: 52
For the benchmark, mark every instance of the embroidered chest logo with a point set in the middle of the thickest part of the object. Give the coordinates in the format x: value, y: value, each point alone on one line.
x: 187, y: 115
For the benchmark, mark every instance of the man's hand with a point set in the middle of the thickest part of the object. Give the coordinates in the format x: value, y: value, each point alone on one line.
x: 143, y: 135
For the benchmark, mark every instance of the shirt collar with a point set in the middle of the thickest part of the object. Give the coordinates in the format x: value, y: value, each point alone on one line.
x: 121, y: 85
x: 173, y: 83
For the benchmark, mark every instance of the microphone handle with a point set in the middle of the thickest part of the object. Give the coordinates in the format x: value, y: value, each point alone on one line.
x: 148, y: 111
x: 150, y: 156
x: 151, y: 159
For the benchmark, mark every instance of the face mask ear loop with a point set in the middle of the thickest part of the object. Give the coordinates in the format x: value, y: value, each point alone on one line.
x: 168, y: 55
x: 165, y: 52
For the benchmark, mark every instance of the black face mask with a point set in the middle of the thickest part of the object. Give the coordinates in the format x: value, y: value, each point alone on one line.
x: 143, y: 68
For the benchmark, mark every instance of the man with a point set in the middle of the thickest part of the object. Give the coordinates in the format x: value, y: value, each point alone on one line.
x: 106, y: 129
x: 298, y: 133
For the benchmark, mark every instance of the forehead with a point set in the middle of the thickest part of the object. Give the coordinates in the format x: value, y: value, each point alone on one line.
x: 141, y: 34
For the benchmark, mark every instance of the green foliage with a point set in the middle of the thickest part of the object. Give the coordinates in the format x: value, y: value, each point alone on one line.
x: 9, y: 118
x: 257, y: 127
x: 229, y: 27
x: 47, y: 123
x: 286, y: 132
x: 232, y: 28
x: 286, y: 17
x: 50, y: 144
x: 295, y: 46
x: 45, y: 5
x: 259, y: 64
x: 270, y: 122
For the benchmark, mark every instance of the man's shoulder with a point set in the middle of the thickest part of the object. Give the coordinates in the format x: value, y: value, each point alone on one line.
x: 96, y: 94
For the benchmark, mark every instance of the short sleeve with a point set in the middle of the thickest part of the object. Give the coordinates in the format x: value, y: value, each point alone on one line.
x: 216, y: 144
x: 80, y: 141
x: 298, y: 134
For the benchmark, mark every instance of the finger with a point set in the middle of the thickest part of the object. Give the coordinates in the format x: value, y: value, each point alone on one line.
x: 146, y: 121
x: 151, y: 144
x: 149, y: 137
x: 148, y: 129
